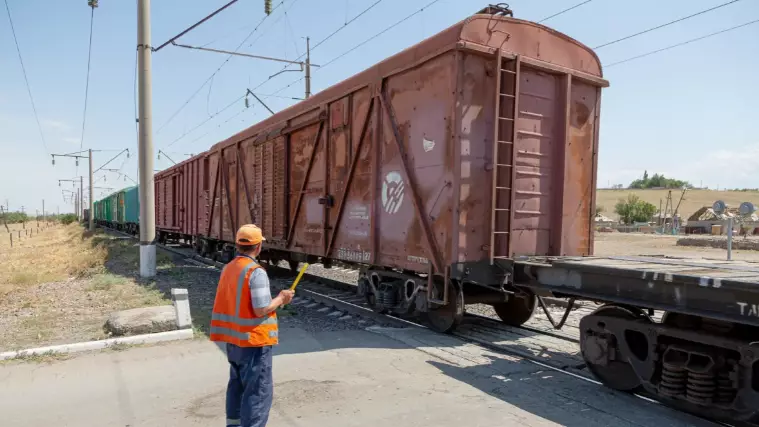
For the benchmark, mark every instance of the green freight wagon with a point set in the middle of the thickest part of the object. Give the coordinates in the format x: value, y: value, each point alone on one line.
x: 96, y: 211
x: 129, y: 210
x: 118, y: 218
x: 107, y: 212
x: 113, y: 206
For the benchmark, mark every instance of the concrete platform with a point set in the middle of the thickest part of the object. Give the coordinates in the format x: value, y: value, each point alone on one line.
x: 383, y: 377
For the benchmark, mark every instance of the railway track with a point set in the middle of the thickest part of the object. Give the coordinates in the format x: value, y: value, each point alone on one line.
x: 537, y: 341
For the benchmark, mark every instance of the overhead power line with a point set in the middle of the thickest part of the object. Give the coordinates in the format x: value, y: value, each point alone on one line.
x: 194, y: 94
x: 180, y: 137
x: 322, y: 41
x: 371, y: 6
x: 564, y: 11
x: 195, y: 25
x: 93, y: 5
x: 682, y: 43
x: 262, y: 83
x: 666, y: 24
x: 219, y: 125
x: 418, y: 11
x: 26, y: 79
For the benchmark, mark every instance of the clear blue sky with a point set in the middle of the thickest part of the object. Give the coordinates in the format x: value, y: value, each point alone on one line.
x: 690, y: 112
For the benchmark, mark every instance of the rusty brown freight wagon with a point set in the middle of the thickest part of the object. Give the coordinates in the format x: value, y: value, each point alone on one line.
x: 439, y: 164
x: 463, y: 170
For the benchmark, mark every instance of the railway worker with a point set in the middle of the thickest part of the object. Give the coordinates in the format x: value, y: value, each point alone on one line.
x: 244, y: 318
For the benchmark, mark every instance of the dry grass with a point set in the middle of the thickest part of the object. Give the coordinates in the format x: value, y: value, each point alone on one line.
x: 46, y: 357
x: 57, y: 253
x: 61, y: 287
x: 28, y: 231
x: 694, y: 199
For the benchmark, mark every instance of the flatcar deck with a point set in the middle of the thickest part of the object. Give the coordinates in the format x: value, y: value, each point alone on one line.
x: 724, y: 290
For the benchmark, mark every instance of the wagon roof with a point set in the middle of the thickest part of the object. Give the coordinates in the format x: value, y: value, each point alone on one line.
x: 516, y: 35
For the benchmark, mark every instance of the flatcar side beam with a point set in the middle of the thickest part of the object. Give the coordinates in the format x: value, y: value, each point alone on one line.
x: 713, y: 298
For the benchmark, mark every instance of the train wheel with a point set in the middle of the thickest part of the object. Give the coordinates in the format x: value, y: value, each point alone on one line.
x: 595, y: 346
x: 517, y: 309
x: 447, y: 317
x: 371, y: 301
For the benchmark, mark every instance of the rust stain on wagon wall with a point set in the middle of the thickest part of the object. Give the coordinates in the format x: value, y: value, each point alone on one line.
x: 579, y: 167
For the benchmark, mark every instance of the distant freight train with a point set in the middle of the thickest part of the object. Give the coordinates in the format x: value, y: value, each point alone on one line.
x: 120, y: 210
x: 463, y: 170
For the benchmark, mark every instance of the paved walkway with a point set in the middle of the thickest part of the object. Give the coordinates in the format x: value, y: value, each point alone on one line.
x: 393, y: 378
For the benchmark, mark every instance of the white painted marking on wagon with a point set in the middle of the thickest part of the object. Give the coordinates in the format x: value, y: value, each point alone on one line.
x: 656, y: 275
x: 717, y: 283
x: 428, y: 144
x: 703, y: 281
x: 667, y: 277
x: 359, y: 212
x: 392, y: 192
x: 753, y: 309
x: 742, y: 305
x: 417, y: 259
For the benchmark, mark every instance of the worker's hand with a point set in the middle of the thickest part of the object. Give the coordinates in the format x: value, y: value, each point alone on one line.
x: 287, y: 296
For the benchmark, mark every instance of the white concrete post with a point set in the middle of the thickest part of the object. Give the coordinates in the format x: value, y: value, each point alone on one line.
x: 182, y: 307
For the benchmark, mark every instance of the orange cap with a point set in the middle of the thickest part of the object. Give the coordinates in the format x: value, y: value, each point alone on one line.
x: 249, y: 234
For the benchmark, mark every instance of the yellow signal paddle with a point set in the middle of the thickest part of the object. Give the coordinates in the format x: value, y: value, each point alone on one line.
x: 297, y: 279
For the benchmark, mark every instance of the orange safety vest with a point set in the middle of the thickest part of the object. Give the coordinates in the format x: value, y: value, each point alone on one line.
x: 233, y: 320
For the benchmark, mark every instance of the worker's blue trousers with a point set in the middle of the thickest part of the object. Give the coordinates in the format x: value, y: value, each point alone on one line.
x: 250, y: 389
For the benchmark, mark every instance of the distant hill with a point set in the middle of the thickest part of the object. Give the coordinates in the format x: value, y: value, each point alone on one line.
x: 694, y: 199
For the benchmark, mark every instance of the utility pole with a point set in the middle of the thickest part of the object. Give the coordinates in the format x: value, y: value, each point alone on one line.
x: 5, y: 220
x: 308, y: 67
x: 92, y: 198
x: 80, y: 192
x: 147, y: 188
x: 77, y: 155
x: 44, y: 217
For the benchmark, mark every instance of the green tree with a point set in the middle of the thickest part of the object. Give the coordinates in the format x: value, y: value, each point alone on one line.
x: 634, y: 209
x: 14, y: 217
x: 658, y: 181
x: 67, y: 219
